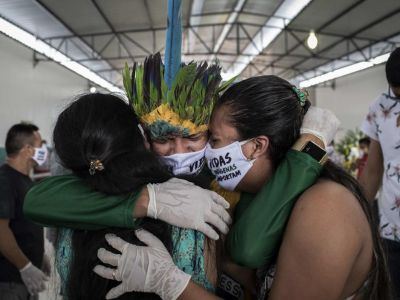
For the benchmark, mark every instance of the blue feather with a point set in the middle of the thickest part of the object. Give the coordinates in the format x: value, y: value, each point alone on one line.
x: 173, y: 44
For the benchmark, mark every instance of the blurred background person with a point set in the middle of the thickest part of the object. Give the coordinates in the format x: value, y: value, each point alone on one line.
x: 363, y: 148
x: 21, y: 242
x: 383, y: 165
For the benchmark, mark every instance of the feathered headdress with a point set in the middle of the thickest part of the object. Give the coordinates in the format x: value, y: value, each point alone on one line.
x: 183, y: 110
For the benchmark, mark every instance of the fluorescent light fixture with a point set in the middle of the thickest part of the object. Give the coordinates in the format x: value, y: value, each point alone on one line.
x: 312, y: 41
x: 41, y: 47
x: 288, y: 10
x: 345, y: 71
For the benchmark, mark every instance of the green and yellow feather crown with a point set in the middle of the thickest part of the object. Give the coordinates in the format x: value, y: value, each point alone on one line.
x: 183, y: 110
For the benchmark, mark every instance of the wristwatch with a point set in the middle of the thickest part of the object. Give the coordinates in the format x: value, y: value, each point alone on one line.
x: 311, y: 149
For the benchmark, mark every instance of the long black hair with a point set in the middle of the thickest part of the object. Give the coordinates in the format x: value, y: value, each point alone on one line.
x: 271, y: 106
x: 102, y: 127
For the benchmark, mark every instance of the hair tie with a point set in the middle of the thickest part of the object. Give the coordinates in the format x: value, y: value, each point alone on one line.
x: 302, y: 95
x: 95, y: 165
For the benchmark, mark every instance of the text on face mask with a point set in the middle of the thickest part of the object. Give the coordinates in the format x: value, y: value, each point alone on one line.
x: 229, y: 176
x: 221, y: 161
x: 196, y: 165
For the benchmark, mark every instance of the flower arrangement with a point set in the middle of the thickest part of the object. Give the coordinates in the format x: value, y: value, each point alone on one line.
x: 348, y: 148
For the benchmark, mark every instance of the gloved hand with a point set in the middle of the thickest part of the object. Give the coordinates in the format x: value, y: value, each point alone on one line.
x: 183, y: 204
x: 33, y: 278
x: 140, y: 268
x: 320, y: 122
x: 46, y: 266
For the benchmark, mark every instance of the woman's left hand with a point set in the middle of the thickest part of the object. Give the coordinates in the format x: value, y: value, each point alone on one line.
x: 141, y: 268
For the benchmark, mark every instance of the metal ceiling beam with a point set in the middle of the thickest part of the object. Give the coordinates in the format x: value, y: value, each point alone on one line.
x: 233, y: 17
x: 74, y: 33
x: 107, y: 21
x: 326, y: 24
x: 146, y: 5
x: 210, y: 25
x: 387, y: 48
x: 352, y: 35
x: 206, y: 45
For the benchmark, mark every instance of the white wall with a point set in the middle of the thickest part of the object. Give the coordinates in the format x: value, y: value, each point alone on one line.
x: 35, y: 94
x: 352, y: 95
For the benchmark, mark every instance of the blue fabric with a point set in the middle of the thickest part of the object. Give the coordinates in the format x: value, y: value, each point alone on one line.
x: 187, y: 254
x: 64, y: 256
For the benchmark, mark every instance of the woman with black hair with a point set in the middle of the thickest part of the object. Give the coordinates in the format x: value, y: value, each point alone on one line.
x: 331, y: 247
x: 176, y: 123
x: 98, y: 138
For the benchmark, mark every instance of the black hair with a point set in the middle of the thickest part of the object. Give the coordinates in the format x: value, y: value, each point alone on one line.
x: 270, y: 106
x: 103, y: 127
x: 393, y: 68
x: 365, y: 140
x: 266, y: 105
x: 18, y: 136
x: 83, y: 283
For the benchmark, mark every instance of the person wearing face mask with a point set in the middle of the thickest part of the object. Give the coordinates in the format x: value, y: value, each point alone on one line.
x: 21, y: 242
x: 177, y: 130
x: 169, y: 125
x: 329, y: 248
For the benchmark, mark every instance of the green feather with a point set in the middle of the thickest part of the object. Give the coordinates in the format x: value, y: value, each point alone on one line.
x: 126, y: 76
x: 192, y: 95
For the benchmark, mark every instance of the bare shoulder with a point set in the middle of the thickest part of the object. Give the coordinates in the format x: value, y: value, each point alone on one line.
x: 328, y: 207
x: 327, y: 241
x: 328, y: 197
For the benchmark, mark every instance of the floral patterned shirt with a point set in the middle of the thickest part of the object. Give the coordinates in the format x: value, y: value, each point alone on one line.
x: 382, y: 124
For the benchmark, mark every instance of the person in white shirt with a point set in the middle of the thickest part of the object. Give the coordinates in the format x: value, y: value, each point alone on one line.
x: 382, y: 125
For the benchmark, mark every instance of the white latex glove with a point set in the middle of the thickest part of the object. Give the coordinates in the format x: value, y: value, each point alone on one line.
x: 46, y: 266
x: 183, y: 204
x: 141, y: 268
x: 33, y: 278
x: 320, y: 122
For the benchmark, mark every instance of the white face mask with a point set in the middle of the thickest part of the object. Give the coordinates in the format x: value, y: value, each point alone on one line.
x: 228, y: 164
x: 189, y: 163
x: 40, y: 155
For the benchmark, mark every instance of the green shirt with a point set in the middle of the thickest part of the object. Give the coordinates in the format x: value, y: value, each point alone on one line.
x: 66, y: 201
x: 253, y: 240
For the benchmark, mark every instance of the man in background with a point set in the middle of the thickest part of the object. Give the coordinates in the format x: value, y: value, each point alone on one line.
x: 382, y: 125
x: 363, y: 149
x: 21, y: 241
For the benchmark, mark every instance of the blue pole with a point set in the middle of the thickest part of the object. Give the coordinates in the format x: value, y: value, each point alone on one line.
x: 173, y: 43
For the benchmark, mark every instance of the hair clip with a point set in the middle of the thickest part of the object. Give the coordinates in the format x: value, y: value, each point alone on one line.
x: 95, y: 165
x: 302, y: 95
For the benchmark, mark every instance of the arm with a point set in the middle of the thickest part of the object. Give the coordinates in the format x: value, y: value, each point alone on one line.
x: 148, y: 269
x: 194, y: 292
x: 9, y: 247
x: 326, y: 235
x: 371, y: 177
x: 66, y: 201
x: 255, y: 237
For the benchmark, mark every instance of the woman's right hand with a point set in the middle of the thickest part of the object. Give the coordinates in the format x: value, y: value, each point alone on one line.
x: 183, y: 204
x: 141, y: 268
x: 321, y: 123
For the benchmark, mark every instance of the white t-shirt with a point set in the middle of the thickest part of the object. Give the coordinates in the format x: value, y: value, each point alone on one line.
x: 383, y: 125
